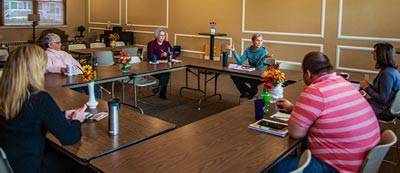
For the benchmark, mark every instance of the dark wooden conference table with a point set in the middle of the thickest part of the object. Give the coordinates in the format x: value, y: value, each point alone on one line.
x: 95, y: 142
x: 219, y: 143
x: 224, y: 132
x: 216, y: 66
x: 105, y: 74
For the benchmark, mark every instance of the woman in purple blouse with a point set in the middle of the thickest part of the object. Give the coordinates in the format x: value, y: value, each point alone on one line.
x: 158, y: 49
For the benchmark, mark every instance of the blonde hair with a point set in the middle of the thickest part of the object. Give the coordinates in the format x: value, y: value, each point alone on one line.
x: 23, y: 74
x: 158, y: 31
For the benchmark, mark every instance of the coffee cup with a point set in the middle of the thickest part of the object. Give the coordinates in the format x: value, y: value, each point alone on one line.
x: 70, y: 69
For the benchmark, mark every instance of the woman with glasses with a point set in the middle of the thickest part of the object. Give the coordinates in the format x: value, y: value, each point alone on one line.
x: 58, y: 59
x: 158, y: 49
x: 387, y: 82
x: 255, y: 55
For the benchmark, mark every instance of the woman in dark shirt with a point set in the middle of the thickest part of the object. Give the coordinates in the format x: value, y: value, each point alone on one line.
x: 386, y: 84
x: 158, y: 49
x: 27, y: 112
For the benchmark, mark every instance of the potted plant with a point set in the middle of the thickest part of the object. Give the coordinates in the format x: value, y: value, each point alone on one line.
x: 81, y: 29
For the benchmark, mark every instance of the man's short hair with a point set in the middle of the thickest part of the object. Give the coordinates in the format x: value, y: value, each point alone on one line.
x: 316, y: 63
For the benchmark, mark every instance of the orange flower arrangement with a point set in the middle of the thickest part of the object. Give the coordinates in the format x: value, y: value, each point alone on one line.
x: 88, y: 74
x: 272, y: 76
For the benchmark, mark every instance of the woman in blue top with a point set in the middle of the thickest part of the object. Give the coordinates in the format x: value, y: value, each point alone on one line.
x: 255, y: 55
x: 386, y: 84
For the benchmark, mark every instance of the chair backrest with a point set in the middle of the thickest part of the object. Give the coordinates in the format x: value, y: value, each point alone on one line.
x: 3, y: 54
x: 90, y: 37
x: 119, y: 43
x: 375, y: 157
x: 305, y: 160
x: 76, y: 46
x: 144, y: 54
x: 177, y: 49
x: 97, y: 45
x: 269, y: 61
x: 4, y: 165
x: 395, y: 107
x: 104, y: 58
x: 135, y: 60
x: 131, y: 51
x: 117, y: 28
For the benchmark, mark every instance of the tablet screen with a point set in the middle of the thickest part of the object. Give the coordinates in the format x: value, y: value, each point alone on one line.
x: 271, y: 125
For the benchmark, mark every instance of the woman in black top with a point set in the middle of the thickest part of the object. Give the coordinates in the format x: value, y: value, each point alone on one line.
x: 27, y: 112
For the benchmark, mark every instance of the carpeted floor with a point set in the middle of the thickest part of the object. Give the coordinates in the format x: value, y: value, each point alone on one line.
x: 183, y: 109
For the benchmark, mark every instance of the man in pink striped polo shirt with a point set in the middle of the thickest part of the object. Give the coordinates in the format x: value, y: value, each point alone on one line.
x: 340, y: 125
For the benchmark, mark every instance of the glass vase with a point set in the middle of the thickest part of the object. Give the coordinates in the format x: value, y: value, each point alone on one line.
x: 276, y: 93
x: 125, y: 67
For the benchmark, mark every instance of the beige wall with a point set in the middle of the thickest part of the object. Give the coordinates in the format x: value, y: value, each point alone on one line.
x: 76, y: 16
x: 344, y: 29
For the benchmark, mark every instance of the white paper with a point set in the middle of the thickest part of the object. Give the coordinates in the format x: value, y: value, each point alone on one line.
x: 241, y: 67
x: 162, y: 61
x: 176, y: 60
x: 281, y: 116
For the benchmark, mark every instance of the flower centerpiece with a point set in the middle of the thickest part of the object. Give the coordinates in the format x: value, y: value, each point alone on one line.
x: 89, y: 75
x: 273, y: 79
x: 124, y: 61
x: 113, y: 38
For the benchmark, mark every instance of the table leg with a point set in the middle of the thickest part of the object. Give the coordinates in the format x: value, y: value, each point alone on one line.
x: 198, y: 89
x: 212, y: 39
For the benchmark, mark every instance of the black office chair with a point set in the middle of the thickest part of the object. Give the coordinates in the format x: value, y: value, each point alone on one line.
x: 177, y: 49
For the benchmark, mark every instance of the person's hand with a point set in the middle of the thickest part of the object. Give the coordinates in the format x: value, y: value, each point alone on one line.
x: 284, y: 104
x: 79, y: 114
x: 364, y: 84
x: 63, y: 70
x: 229, y: 47
x: 69, y: 113
x: 269, y: 55
x: 164, y: 54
